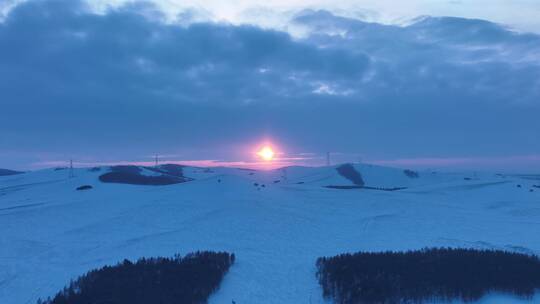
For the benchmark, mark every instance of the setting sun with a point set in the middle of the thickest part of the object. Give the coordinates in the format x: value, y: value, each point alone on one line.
x: 266, y: 153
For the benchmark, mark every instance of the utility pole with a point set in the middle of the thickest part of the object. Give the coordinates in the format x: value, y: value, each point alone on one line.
x: 157, y: 160
x: 328, y: 159
x: 71, y: 174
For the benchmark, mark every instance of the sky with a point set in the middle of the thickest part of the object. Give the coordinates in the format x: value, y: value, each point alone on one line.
x: 520, y: 15
x: 451, y: 85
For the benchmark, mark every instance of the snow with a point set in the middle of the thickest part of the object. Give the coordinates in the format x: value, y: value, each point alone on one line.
x: 50, y: 233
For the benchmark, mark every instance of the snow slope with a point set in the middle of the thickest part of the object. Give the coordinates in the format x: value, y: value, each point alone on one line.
x: 50, y: 233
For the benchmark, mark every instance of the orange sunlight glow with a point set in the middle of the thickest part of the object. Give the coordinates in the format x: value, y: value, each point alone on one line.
x: 266, y: 153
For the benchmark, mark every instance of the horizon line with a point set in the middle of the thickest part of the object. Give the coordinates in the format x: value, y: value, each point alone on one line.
x: 480, y: 164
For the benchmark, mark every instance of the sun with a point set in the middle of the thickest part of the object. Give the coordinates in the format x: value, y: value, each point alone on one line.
x: 266, y: 153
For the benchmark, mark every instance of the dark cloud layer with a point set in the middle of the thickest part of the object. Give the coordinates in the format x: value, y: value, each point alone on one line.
x: 124, y: 83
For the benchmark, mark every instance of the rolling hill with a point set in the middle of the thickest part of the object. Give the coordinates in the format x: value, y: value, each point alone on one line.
x: 277, y: 222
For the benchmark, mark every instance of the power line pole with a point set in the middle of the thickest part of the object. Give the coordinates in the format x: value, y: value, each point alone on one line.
x: 71, y: 174
x: 328, y: 159
x: 157, y: 160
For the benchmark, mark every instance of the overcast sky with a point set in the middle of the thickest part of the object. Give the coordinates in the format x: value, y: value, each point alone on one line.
x: 115, y: 82
x: 518, y: 14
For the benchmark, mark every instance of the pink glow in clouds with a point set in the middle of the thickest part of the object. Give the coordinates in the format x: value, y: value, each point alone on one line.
x: 259, y: 165
x: 246, y: 156
x: 514, y: 163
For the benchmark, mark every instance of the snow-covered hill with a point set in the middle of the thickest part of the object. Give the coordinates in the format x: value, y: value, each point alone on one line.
x: 276, y: 222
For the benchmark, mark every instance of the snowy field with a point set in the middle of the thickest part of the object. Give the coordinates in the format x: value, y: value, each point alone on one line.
x: 51, y: 233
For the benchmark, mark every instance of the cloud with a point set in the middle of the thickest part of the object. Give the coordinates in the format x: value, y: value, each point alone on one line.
x: 519, y: 162
x: 124, y: 82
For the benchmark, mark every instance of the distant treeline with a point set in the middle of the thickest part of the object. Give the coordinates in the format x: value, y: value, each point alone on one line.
x: 367, y: 188
x: 349, y: 172
x: 426, y: 275
x: 6, y: 172
x: 411, y: 173
x: 190, y: 279
x: 167, y: 174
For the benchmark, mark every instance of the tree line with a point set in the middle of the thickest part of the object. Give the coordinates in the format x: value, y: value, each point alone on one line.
x: 429, y: 274
x: 189, y: 279
x: 426, y: 275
